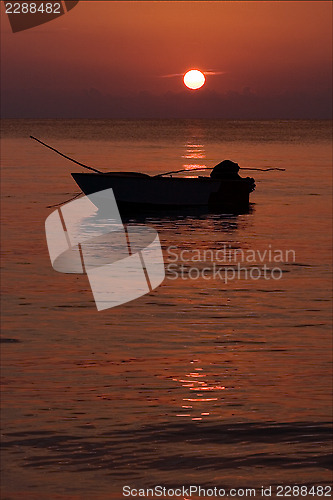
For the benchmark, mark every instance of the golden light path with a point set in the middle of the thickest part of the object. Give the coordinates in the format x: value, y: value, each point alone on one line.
x: 194, y: 79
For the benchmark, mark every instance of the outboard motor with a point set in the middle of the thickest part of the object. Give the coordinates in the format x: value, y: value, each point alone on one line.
x: 251, y: 183
x: 228, y: 170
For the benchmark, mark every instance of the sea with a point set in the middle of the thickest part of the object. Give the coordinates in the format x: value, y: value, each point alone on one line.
x: 215, y: 381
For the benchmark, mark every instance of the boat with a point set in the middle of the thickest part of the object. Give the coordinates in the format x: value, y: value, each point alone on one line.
x: 222, y: 190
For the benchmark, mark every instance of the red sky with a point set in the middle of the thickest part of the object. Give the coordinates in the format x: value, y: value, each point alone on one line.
x: 121, y: 48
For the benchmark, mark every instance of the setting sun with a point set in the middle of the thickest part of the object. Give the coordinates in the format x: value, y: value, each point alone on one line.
x: 194, y: 79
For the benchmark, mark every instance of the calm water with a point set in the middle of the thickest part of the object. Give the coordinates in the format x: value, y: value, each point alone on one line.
x: 201, y: 381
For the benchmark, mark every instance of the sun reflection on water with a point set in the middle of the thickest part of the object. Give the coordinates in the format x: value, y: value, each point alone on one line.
x: 197, y: 406
x: 194, y: 152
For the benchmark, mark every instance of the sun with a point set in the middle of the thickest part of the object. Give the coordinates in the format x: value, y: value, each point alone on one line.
x: 194, y: 79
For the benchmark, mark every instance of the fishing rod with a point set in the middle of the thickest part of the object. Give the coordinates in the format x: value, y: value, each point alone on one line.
x: 211, y: 168
x: 67, y: 157
x: 66, y: 201
x: 158, y: 175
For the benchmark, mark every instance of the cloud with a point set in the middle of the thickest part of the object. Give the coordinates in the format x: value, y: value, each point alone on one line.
x: 207, y: 104
x: 171, y: 76
x: 208, y: 72
x: 214, y: 72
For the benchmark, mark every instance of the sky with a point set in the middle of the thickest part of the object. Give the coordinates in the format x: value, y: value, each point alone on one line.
x: 126, y: 60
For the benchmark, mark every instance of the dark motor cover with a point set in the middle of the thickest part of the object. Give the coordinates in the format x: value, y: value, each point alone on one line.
x: 228, y: 169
